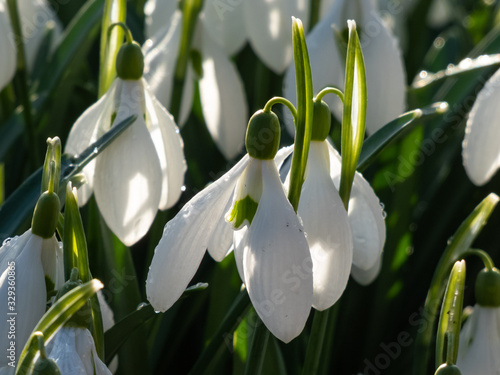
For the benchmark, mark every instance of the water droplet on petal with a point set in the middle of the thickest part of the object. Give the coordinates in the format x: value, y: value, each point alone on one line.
x: 6, y: 241
x: 183, y: 188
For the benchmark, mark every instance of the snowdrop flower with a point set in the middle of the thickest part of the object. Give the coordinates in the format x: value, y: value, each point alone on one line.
x: 27, y: 263
x: 73, y: 350
x: 336, y: 243
x: 480, y: 151
x: 385, y: 74
x: 271, y: 249
x: 7, y: 47
x: 480, y: 336
x: 221, y: 89
x: 143, y: 169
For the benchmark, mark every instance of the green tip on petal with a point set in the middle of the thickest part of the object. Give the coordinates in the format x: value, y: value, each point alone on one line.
x: 487, y: 288
x: 263, y: 135
x: 130, y: 61
x: 322, y: 121
x: 243, y: 212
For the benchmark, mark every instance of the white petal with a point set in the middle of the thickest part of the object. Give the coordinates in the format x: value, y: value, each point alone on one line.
x: 108, y: 321
x: 222, y: 238
x: 277, y: 262
x: 30, y: 296
x: 481, y: 151
x: 7, y: 46
x: 158, y: 15
x: 327, y: 227
x: 169, y: 147
x: 480, y: 343
x: 366, y: 276
x: 160, y: 57
x: 385, y: 74
x: 223, y: 100
x: 223, y: 21
x: 91, y: 124
x: 269, y: 28
x: 12, y: 247
x: 128, y: 187
x: 186, y: 238
x: 7, y: 370
x: 327, y: 67
x: 52, y: 261
x: 282, y: 154
x: 240, y: 240
x: 366, y: 217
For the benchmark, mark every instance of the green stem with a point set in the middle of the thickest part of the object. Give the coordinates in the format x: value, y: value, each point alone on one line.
x: 190, y: 15
x: 315, y: 10
x: 21, y: 81
x: 485, y: 257
x: 285, y: 102
x: 128, y: 33
x: 258, y: 349
x: 330, y: 90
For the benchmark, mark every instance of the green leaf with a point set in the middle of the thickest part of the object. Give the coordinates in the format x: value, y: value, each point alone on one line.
x: 258, y: 348
x: 54, y: 319
x: 450, y: 319
x: 305, y: 109
x: 376, y: 143
x: 115, y: 11
x: 354, y: 113
x: 458, y: 245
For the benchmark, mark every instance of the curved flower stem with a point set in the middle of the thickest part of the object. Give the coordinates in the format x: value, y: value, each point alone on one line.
x: 485, y: 257
x: 128, y: 33
x: 190, y: 15
x: 21, y: 81
x: 330, y: 90
x: 285, y: 102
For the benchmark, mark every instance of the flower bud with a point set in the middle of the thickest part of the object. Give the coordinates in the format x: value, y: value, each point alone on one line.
x: 130, y: 61
x: 487, y: 288
x: 322, y: 121
x: 446, y: 369
x: 46, y: 215
x: 263, y: 135
x: 45, y: 366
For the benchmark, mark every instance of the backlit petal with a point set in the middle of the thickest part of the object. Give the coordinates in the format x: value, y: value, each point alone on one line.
x: 158, y: 15
x: 223, y: 100
x: 169, y: 147
x: 277, y: 262
x: 185, y: 239
x: 327, y: 227
x: 481, y: 150
x: 269, y: 28
x: 128, y: 189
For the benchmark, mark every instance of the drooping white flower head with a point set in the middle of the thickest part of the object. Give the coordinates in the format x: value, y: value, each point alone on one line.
x: 385, y: 73
x: 7, y: 47
x: 271, y: 250
x: 480, y: 342
x: 481, y: 151
x: 221, y: 89
x: 74, y: 352
x: 142, y: 170
x: 26, y: 262
x: 359, y: 242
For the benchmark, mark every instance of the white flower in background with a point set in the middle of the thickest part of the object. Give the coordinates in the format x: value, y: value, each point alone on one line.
x: 142, y: 170
x: 480, y: 342
x: 36, y: 15
x: 365, y: 214
x: 27, y: 261
x: 221, y: 89
x: 7, y: 47
x: 481, y: 150
x: 108, y: 321
x: 385, y: 73
x: 271, y: 249
x: 73, y: 350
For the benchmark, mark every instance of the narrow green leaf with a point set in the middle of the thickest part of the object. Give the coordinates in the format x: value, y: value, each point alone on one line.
x: 121, y: 331
x: 354, y: 113
x: 376, y: 143
x: 458, y: 245
x: 258, y: 348
x: 114, y: 11
x: 54, y: 319
x: 303, y: 125
x: 450, y: 319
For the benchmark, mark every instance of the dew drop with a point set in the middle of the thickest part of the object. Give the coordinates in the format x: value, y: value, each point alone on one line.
x: 6, y: 241
x: 177, y: 131
x: 183, y: 188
